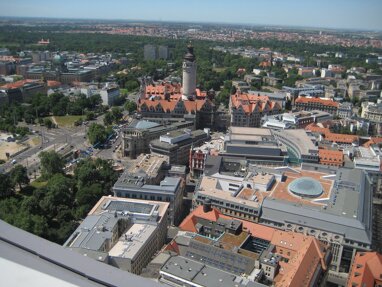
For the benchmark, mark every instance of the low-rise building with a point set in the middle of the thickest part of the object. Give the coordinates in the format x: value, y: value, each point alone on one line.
x: 298, y: 119
x: 322, y: 104
x: 372, y: 111
x: 331, y: 157
x: 345, y: 110
x: 368, y: 158
x: 122, y: 232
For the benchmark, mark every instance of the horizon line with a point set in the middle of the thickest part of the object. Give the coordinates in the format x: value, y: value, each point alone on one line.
x: 299, y: 27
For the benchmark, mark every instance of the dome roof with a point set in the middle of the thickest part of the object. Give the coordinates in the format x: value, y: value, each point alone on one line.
x: 58, y: 59
x: 306, y: 187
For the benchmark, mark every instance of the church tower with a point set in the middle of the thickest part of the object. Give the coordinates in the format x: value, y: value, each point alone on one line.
x: 189, y: 74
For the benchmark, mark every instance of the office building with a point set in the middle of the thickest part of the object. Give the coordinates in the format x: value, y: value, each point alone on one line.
x: 257, y: 145
x: 137, y: 136
x: 335, y: 203
x: 25, y: 257
x: 150, y: 52
x: 331, y: 157
x: 145, y: 179
x: 221, y: 249
x: 109, y: 94
x: 176, y: 145
x: 122, y: 232
x: 163, y: 52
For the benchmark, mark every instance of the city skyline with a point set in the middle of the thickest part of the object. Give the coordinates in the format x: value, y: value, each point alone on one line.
x: 338, y: 14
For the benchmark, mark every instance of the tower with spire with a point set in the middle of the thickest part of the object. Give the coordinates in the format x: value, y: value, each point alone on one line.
x: 189, y: 74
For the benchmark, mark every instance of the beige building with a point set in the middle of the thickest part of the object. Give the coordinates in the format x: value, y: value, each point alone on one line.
x: 122, y: 232
x: 247, y: 110
x: 372, y: 111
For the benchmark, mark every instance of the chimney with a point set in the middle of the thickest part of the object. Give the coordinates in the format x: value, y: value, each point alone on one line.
x: 207, y: 205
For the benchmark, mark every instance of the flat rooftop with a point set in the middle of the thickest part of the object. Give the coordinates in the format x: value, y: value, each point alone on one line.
x: 133, y: 206
x: 132, y: 241
x: 203, y: 275
x: 30, y: 260
x: 248, y: 134
x: 300, y: 138
x: 147, y: 164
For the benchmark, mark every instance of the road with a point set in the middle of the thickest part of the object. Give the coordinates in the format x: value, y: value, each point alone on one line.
x: 58, y: 139
x: 62, y: 140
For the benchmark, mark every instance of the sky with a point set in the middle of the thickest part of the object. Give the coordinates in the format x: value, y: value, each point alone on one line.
x: 348, y: 14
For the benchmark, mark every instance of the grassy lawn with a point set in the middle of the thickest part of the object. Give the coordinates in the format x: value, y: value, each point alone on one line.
x: 35, y: 141
x: 66, y: 121
x: 38, y: 184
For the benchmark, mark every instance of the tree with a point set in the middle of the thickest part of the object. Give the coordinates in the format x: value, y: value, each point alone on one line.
x: 108, y: 119
x: 117, y: 114
x: 233, y: 90
x: 19, y: 176
x: 95, y: 171
x: 48, y: 123
x: 131, y: 85
x: 97, y: 133
x: 51, y: 163
x: 90, y: 116
x: 6, y: 188
x: 130, y: 106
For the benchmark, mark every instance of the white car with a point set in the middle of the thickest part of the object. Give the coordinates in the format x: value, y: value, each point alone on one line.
x: 14, y: 161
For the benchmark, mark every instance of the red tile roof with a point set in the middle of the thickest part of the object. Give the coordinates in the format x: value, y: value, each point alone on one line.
x: 53, y: 84
x: 250, y: 103
x: 366, y: 270
x: 332, y: 157
x: 17, y: 84
x: 332, y: 137
x: 304, y: 252
x: 305, y: 100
